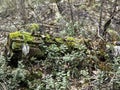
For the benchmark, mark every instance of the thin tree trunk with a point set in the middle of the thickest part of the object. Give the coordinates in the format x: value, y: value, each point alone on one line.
x: 23, y: 11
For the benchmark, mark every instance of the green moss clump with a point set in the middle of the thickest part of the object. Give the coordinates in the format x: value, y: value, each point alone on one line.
x: 16, y: 45
x: 21, y: 35
x: 59, y: 40
x: 70, y: 39
x: 48, y: 39
x: 25, y: 36
x: 71, y: 42
x: 33, y: 27
x: 14, y: 35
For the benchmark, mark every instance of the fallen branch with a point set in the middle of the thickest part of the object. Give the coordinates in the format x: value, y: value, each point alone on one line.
x: 29, y: 42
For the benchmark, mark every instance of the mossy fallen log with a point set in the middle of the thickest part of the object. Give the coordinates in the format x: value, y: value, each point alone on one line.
x: 26, y: 45
x: 37, y: 44
x: 16, y: 39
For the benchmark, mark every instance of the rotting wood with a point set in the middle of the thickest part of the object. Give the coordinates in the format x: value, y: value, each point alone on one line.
x: 29, y: 42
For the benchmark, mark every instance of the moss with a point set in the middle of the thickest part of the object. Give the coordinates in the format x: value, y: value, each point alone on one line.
x: 21, y: 35
x: 16, y: 34
x: 47, y: 36
x: 71, y: 42
x: 59, y: 40
x: 48, y: 39
x: 70, y: 39
x: 33, y: 27
x: 17, y: 46
x: 25, y: 36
